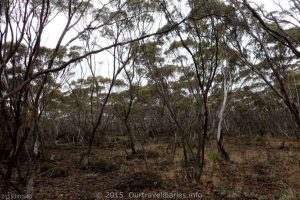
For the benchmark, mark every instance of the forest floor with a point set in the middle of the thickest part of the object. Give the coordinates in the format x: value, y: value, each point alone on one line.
x: 260, y: 168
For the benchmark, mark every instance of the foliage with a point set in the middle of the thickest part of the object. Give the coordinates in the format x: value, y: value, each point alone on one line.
x: 140, y: 181
x: 215, y: 157
x: 103, y: 166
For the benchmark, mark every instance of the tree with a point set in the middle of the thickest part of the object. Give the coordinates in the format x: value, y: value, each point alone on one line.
x: 31, y: 20
x: 202, y: 42
x: 275, y: 57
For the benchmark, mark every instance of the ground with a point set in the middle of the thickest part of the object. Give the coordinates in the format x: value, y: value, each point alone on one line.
x: 260, y: 168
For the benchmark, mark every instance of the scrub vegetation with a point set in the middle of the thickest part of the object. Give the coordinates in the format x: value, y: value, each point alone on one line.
x: 199, y: 97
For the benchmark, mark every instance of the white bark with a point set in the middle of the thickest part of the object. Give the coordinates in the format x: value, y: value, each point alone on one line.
x: 226, y: 88
x: 36, y: 147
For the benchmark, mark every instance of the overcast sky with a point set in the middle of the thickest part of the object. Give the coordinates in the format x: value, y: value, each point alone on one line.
x: 55, y: 28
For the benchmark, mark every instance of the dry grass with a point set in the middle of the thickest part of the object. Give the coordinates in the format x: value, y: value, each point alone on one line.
x: 260, y: 168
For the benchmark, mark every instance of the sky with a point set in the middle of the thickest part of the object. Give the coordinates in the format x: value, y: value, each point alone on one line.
x: 268, y: 4
x: 104, y: 60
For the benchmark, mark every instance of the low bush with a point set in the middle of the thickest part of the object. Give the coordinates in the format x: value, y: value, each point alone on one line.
x: 59, y: 172
x: 53, y: 172
x: 103, y: 166
x: 215, y: 157
x: 140, y: 181
x: 140, y: 155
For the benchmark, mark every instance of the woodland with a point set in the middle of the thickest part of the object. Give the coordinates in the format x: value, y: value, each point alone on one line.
x: 115, y: 99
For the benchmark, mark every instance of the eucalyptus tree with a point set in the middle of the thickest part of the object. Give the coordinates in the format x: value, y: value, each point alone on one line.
x: 227, y: 87
x: 124, y: 102
x: 23, y: 24
x: 23, y: 110
x: 271, y: 49
x: 26, y: 22
x: 161, y: 76
x: 201, y: 39
x: 97, y: 117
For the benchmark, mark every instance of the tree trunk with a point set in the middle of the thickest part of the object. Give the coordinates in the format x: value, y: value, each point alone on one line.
x: 222, y: 150
x: 131, y: 139
x: 221, y: 118
x: 202, y: 140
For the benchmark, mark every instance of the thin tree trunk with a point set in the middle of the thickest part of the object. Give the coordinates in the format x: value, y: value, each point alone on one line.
x: 221, y: 118
x: 202, y: 140
x: 131, y: 140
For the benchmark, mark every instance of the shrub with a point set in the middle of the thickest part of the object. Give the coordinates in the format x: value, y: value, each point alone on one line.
x: 45, y: 167
x: 260, y: 140
x: 124, y: 168
x: 261, y: 169
x: 76, y: 146
x: 54, y: 172
x: 140, y: 155
x: 190, y: 162
x: 59, y: 172
x: 103, y: 166
x: 215, y: 157
x: 139, y: 181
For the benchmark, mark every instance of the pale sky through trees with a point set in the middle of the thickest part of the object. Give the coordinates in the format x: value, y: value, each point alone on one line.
x: 104, y: 59
x: 166, y: 95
